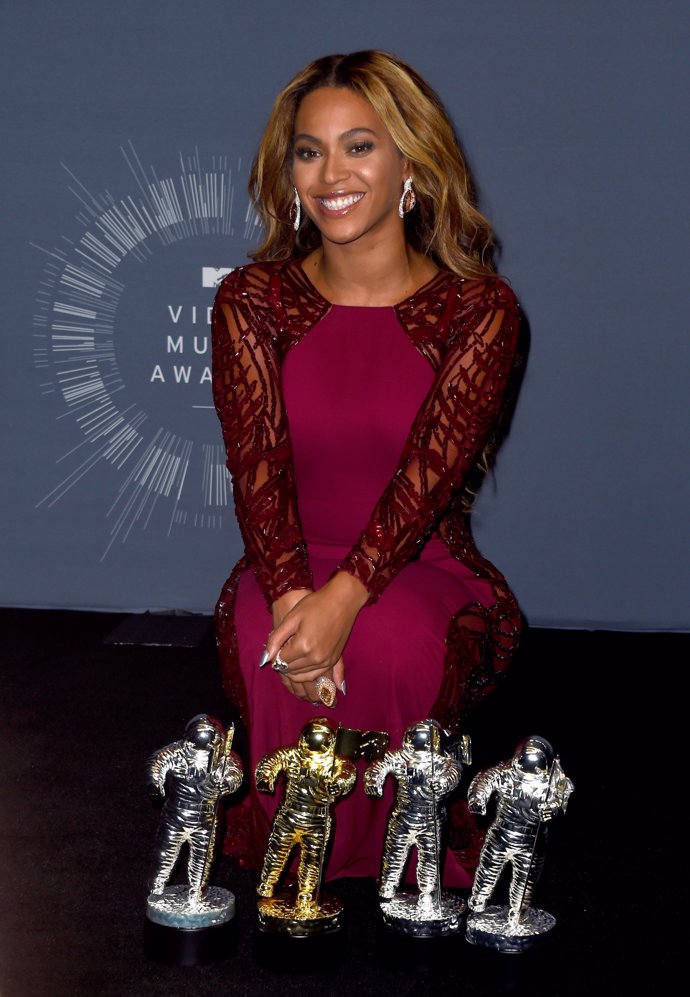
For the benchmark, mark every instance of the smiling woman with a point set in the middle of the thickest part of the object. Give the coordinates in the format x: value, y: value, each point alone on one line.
x: 355, y: 456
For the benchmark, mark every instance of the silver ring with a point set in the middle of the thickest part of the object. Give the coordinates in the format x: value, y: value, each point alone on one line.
x: 278, y: 664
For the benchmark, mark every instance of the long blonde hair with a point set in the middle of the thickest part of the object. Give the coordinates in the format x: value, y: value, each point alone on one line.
x: 445, y: 223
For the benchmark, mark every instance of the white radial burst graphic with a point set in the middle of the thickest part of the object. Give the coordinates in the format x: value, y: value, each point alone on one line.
x: 171, y: 477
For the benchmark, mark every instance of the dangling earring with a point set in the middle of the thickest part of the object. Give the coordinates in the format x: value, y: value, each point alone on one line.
x: 408, y: 198
x: 296, y: 210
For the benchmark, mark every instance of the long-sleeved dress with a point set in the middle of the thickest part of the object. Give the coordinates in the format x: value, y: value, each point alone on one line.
x: 351, y: 436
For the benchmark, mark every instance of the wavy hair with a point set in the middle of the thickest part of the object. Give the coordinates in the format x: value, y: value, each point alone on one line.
x: 445, y: 224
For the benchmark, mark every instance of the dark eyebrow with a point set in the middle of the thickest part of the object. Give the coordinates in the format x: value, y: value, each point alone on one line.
x: 354, y: 131
x: 305, y: 137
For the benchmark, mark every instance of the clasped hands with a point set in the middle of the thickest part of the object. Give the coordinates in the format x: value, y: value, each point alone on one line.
x: 310, y: 630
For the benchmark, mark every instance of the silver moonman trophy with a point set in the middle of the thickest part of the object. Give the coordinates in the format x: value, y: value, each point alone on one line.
x: 426, y: 768
x: 192, y: 774
x: 530, y: 789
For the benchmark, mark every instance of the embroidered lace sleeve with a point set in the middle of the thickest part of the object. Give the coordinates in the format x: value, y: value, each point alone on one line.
x: 448, y: 434
x: 247, y: 395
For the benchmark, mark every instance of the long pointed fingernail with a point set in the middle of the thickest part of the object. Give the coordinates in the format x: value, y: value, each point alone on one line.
x: 265, y: 658
x: 342, y: 687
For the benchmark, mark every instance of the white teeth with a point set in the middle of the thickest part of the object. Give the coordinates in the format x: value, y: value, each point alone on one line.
x: 339, y: 203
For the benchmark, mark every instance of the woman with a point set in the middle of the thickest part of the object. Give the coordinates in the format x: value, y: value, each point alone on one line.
x: 360, y: 367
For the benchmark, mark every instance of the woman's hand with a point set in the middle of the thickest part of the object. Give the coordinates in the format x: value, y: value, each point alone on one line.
x: 282, y: 606
x: 312, y: 634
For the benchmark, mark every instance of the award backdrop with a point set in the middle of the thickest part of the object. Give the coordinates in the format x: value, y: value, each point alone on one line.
x: 130, y: 129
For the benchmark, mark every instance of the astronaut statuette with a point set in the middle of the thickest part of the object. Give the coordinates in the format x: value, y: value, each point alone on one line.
x: 426, y: 768
x: 192, y: 775
x: 315, y: 777
x: 530, y: 790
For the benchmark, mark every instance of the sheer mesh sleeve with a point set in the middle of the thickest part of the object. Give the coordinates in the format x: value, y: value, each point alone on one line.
x: 447, y: 436
x: 247, y: 395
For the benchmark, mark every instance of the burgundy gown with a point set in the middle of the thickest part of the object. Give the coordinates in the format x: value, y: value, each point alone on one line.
x: 389, y: 409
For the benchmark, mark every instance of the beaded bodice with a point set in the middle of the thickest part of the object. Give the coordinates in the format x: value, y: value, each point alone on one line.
x: 466, y: 330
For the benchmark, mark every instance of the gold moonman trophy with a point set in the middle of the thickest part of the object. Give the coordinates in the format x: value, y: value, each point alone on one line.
x: 317, y: 772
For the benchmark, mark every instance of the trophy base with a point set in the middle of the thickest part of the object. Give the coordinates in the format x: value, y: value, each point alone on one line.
x: 423, y: 916
x: 212, y: 939
x: 299, y: 940
x: 493, y: 928
x: 181, y: 933
x: 173, y: 908
x: 282, y: 915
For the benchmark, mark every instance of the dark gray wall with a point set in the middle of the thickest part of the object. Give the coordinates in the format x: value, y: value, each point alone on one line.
x: 129, y: 130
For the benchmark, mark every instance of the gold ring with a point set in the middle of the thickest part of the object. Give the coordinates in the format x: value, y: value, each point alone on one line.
x: 326, y: 690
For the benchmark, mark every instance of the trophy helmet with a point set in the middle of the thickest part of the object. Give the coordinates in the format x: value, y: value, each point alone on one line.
x: 318, y: 736
x: 534, y: 755
x: 202, y: 730
x: 423, y: 736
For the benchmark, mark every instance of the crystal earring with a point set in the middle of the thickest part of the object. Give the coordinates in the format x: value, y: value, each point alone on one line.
x: 408, y: 198
x: 296, y: 210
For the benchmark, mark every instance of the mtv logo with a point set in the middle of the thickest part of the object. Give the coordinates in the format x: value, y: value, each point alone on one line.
x: 212, y: 276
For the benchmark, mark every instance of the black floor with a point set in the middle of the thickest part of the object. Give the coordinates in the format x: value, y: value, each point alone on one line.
x: 80, y: 716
